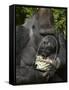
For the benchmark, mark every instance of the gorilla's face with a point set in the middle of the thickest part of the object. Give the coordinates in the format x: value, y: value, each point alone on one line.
x: 47, y: 46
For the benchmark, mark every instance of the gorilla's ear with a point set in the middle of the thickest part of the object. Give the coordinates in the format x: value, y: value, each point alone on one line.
x: 22, y: 38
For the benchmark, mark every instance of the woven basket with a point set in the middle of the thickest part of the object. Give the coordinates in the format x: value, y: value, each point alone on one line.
x: 46, y: 65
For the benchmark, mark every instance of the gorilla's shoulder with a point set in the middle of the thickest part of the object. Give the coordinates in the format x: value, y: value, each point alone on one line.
x: 22, y: 37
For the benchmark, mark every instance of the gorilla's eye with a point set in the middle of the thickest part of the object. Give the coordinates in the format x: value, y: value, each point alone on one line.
x: 33, y: 27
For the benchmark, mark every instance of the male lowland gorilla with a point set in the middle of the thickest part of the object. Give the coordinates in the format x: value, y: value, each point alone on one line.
x: 28, y: 38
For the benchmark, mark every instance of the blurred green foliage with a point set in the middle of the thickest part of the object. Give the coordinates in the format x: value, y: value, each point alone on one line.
x: 60, y: 16
x: 22, y: 13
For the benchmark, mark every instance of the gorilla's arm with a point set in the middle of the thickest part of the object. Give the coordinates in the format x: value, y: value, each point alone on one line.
x: 62, y: 70
x: 22, y: 37
x: 62, y: 51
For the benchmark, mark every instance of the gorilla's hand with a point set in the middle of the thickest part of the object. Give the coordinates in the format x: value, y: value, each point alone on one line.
x: 47, y: 66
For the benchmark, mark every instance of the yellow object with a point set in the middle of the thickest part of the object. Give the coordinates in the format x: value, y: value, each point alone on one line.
x: 42, y: 64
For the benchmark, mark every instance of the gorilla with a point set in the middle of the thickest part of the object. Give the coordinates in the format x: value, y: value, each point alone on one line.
x: 28, y: 38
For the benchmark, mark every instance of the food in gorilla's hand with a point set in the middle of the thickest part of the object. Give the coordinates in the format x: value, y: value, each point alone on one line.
x: 44, y: 64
